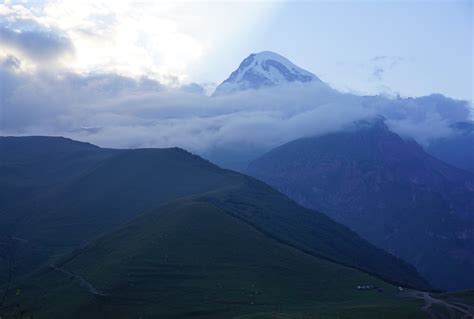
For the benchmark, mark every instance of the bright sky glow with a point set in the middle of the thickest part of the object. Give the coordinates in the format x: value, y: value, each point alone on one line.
x: 409, y: 47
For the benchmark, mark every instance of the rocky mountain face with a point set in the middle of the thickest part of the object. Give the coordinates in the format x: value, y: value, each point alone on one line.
x: 456, y: 149
x: 387, y: 189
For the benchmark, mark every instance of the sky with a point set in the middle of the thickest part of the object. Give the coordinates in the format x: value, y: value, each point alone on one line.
x: 411, y: 48
x: 139, y: 74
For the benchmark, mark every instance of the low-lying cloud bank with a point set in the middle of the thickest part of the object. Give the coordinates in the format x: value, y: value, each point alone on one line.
x: 116, y: 111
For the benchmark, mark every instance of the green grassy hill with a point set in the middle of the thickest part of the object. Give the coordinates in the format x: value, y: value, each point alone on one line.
x: 117, y: 186
x: 116, y: 190
x: 157, y: 230
x: 192, y: 259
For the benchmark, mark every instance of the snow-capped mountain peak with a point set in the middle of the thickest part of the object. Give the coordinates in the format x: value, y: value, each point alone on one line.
x: 262, y: 70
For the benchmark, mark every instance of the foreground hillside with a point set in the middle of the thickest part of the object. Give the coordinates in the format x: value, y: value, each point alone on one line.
x: 84, y: 219
x: 388, y: 190
x: 120, y: 185
x: 193, y: 259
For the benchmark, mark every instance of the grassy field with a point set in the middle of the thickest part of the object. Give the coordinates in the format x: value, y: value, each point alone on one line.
x: 191, y: 259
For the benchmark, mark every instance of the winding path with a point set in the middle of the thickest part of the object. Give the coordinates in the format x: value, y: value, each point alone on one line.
x: 82, y: 281
x: 454, y: 309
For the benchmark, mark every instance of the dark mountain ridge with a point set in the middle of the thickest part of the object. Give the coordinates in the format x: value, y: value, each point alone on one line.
x: 388, y: 190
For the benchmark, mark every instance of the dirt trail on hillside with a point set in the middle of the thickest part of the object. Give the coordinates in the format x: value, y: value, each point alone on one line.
x: 81, y: 280
x: 449, y: 309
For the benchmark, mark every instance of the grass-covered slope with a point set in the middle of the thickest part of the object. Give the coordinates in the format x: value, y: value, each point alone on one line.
x: 58, y: 194
x: 313, y: 232
x: 192, y: 259
x: 118, y: 189
x: 123, y: 184
x: 32, y: 168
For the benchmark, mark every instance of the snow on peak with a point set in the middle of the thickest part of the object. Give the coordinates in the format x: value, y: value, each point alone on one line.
x: 262, y: 70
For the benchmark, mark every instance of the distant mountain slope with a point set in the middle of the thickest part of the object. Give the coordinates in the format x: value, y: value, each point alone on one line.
x: 456, y: 149
x: 388, y: 190
x: 124, y: 184
x: 264, y: 69
x: 191, y: 258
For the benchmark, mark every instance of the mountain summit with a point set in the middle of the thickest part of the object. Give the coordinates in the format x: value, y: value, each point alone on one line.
x: 264, y: 69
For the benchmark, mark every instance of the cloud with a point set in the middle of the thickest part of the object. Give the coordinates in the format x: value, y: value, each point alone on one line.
x: 37, y: 46
x: 123, y: 37
x: 10, y: 62
x: 171, y: 41
x: 423, y: 118
x: 390, y: 61
x: 378, y: 73
x: 380, y: 64
x: 117, y: 111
